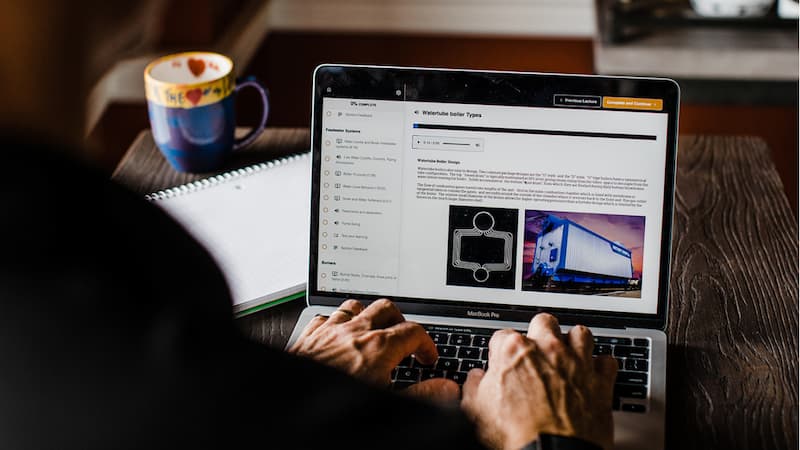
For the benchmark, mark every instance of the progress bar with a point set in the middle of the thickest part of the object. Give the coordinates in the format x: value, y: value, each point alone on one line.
x: 430, y: 126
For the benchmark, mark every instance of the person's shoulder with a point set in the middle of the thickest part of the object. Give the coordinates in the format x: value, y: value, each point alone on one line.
x: 62, y: 214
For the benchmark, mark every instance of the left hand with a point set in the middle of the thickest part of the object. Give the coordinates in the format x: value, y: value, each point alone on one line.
x: 369, y: 342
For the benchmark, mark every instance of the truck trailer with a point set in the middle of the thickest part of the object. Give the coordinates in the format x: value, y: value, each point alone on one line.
x: 570, y: 254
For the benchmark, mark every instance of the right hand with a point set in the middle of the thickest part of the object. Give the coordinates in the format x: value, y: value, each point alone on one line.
x: 538, y: 384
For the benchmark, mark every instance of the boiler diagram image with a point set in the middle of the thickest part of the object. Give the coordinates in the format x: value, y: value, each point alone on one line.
x: 482, y: 247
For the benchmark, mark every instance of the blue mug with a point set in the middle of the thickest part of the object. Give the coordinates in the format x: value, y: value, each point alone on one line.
x: 191, y: 103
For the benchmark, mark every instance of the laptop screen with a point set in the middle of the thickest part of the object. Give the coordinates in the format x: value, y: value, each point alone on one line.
x: 556, y: 204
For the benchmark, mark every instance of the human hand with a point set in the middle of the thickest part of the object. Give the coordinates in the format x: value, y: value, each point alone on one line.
x: 539, y: 384
x: 369, y: 342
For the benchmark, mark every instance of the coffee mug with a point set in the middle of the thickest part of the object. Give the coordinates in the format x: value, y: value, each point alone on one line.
x: 190, y: 100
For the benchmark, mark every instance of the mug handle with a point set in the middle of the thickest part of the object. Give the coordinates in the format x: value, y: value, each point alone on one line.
x: 253, y: 134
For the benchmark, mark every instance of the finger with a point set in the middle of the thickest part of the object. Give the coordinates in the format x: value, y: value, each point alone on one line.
x: 354, y: 306
x: 312, y: 326
x: 340, y: 316
x: 546, y: 334
x: 381, y: 313
x: 346, y: 311
x: 582, y: 343
x: 440, y: 390
x: 504, y: 343
x: 409, y: 337
x: 605, y: 375
x: 544, y: 326
x: 605, y: 368
x: 474, y: 378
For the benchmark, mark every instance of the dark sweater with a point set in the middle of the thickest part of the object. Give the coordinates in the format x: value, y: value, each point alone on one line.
x: 117, y: 333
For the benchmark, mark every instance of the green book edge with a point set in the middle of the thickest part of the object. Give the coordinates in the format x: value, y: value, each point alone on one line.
x: 266, y: 305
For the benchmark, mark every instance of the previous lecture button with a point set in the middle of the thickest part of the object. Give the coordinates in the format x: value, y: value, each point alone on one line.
x: 647, y: 104
x: 577, y: 101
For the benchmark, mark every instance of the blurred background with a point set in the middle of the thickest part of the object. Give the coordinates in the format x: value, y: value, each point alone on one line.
x: 736, y: 60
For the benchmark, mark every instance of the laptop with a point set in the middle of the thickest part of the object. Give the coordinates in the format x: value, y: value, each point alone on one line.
x: 475, y: 200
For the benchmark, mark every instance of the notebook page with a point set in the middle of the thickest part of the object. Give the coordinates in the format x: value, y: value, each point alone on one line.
x: 255, y: 226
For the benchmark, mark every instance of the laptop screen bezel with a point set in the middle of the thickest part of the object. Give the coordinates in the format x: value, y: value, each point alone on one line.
x: 490, y: 88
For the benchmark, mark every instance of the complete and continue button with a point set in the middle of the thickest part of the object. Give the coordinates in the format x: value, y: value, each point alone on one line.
x: 646, y: 104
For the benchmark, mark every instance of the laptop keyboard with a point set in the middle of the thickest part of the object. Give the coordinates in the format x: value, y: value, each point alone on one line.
x: 463, y: 349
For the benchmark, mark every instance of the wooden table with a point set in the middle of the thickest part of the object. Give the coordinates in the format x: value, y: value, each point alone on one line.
x: 733, y: 315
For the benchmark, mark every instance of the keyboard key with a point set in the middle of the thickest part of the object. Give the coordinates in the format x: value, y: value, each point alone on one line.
x: 447, y: 364
x: 394, y: 373
x: 480, y: 341
x: 485, y: 354
x: 398, y: 385
x: 469, y: 364
x: 620, y: 364
x: 641, y: 342
x: 469, y: 353
x: 406, y: 362
x: 638, y: 365
x: 601, y: 349
x: 612, y: 340
x: 406, y: 374
x: 632, y: 407
x: 458, y: 377
x: 632, y: 377
x: 438, y: 337
x: 630, y: 390
x: 447, y: 351
x: 460, y: 339
x: 631, y: 352
x: 427, y: 374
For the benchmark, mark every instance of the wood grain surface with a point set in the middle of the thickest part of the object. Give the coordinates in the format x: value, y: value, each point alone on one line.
x: 733, y: 314
x: 732, y: 362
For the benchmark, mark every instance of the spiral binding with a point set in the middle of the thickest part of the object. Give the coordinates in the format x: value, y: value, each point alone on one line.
x: 225, y: 177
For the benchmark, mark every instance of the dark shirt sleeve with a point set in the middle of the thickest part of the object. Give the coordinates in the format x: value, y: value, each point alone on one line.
x: 553, y: 442
x: 117, y: 333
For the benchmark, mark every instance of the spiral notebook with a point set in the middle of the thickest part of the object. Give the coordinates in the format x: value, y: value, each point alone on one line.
x: 254, y: 221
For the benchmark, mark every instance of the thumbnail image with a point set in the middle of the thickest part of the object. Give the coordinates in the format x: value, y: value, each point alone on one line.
x: 583, y: 253
x: 482, y: 245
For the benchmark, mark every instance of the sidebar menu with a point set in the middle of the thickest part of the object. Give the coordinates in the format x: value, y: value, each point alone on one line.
x: 360, y: 192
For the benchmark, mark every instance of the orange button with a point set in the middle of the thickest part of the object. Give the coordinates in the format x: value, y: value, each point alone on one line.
x: 649, y: 104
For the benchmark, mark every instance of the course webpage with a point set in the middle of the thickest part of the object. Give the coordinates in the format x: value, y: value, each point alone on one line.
x: 538, y: 206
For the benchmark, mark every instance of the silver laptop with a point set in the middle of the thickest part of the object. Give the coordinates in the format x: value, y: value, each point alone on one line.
x: 475, y: 200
